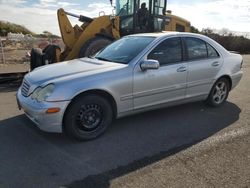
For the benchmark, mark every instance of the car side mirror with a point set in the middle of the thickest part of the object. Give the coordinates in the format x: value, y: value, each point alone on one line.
x: 149, y: 64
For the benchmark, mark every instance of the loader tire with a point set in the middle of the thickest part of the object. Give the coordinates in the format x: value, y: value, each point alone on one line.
x: 36, y: 58
x: 50, y: 53
x: 92, y: 46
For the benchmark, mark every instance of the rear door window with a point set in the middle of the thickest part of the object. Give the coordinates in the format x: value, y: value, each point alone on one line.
x: 196, y: 48
x: 211, y: 52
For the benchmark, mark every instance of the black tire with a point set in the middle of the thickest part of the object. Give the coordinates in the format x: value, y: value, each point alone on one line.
x: 219, y: 93
x: 50, y: 53
x: 88, y: 117
x: 36, y: 59
x: 92, y: 46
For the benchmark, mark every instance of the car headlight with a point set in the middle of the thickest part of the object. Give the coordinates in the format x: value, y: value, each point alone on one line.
x: 42, y: 93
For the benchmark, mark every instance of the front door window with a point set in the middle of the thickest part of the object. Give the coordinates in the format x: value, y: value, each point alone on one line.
x: 168, y: 52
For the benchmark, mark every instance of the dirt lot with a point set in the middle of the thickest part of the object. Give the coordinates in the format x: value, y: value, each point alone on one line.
x: 246, y: 60
x: 190, y: 145
x: 14, y: 53
x: 14, y: 67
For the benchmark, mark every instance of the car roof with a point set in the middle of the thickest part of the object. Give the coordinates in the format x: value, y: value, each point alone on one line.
x: 167, y: 33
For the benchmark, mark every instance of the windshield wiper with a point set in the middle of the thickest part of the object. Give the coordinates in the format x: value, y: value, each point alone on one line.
x: 105, y: 59
x: 91, y: 57
x: 102, y: 58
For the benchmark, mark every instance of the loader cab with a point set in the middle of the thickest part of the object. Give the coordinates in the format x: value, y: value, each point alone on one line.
x: 141, y: 16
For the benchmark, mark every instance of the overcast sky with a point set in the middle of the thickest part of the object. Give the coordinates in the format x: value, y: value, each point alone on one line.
x: 40, y: 15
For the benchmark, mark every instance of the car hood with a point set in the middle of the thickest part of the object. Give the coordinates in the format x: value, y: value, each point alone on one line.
x: 68, y: 69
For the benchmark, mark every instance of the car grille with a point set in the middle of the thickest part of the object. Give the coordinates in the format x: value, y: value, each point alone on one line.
x: 25, y: 88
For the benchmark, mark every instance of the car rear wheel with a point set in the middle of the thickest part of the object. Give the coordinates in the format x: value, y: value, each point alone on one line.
x: 88, y: 117
x: 218, y: 93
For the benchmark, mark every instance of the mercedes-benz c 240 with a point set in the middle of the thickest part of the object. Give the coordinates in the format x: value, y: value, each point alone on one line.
x: 134, y: 74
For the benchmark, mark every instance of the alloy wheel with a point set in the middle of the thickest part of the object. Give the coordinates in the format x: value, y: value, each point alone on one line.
x: 220, y: 92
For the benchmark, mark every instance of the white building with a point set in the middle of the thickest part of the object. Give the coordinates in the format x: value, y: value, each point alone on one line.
x: 18, y: 37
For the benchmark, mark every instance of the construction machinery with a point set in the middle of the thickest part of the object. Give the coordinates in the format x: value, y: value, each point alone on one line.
x: 96, y: 33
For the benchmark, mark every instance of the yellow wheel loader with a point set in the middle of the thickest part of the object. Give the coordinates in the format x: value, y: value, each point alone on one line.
x: 132, y: 16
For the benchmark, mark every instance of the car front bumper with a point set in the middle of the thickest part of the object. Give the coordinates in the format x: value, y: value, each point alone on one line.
x: 36, y: 112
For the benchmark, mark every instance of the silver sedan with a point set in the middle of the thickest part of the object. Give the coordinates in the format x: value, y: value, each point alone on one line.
x: 134, y: 74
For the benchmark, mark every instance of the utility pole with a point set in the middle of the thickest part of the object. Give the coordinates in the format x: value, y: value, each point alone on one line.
x: 3, y: 57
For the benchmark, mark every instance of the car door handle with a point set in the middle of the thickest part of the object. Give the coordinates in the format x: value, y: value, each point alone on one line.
x: 182, y: 69
x: 215, y: 64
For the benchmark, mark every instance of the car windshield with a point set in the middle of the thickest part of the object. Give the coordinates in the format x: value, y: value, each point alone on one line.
x: 125, y: 49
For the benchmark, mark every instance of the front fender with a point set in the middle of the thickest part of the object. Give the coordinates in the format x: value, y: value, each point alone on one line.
x: 119, y: 84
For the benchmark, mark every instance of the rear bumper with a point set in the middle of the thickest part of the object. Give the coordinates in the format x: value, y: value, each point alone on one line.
x: 36, y: 112
x: 236, y: 78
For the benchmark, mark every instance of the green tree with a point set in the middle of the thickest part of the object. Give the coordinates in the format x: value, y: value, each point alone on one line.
x: 6, y: 27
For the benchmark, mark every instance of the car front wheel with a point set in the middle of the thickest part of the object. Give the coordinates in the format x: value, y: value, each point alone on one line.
x: 88, y: 117
x: 218, y: 93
